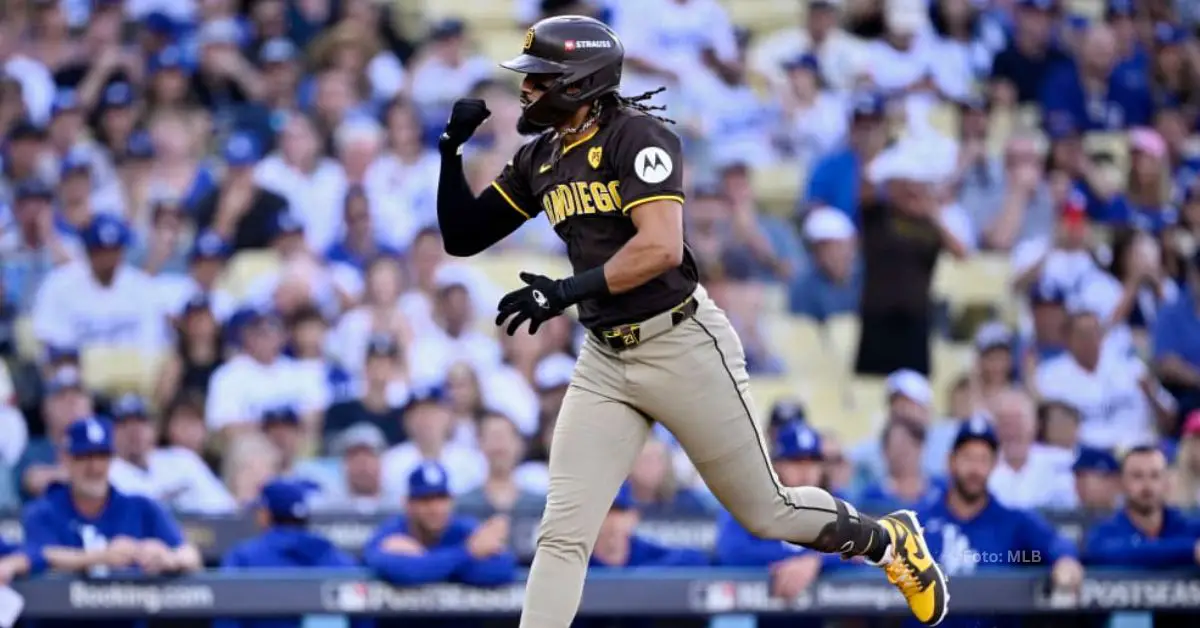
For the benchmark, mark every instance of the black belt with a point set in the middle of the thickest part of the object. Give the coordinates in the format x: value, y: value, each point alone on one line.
x: 624, y: 337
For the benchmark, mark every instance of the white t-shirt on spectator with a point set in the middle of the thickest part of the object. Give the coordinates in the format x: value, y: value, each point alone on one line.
x: 840, y: 57
x: 1063, y: 269
x: 505, y: 390
x: 1044, y: 481
x: 386, y: 75
x: 72, y: 309
x: 436, y: 84
x: 403, y: 197
x: 673, y: 35
x: 37, y: 86
x: 14, y: 434
x: 316, y: 198
x: 177, y: 290
x: 738, y: 124
x: 178, y: 478
x: 466, y: 467
x: 434, y: 352
x: 817, y: 130
x: 323, y: 282
x: 1113, y: 408
x: 958, y: 64
x: 243, y: 388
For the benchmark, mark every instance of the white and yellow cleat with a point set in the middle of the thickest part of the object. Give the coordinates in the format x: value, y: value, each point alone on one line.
x: 910, y: 566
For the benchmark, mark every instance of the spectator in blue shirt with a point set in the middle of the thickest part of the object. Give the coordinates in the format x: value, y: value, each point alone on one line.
x: 360, y: 246
x: 1177, y: 344
x: 1145, y: 533
x: 797, y: 462
x: 831, y: 283
x: 1145, y: 203
x: 428, y: 544
x: 1096, y: 485
x: 85, y: 525
x: 282, y: 514
x: 1169, y: 68
x: 836, y: 178
x: 1021, y: 68
x: 1094, y: 90
x: 969, y: 531
x: 1120, y: 16
x: 904, y: 483
x: 617, y: 544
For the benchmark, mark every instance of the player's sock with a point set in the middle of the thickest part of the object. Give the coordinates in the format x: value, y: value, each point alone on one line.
x: 876, y: 547
x: 852, y: 533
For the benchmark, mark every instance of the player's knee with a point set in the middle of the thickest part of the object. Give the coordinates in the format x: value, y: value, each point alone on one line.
x: 564, y: 542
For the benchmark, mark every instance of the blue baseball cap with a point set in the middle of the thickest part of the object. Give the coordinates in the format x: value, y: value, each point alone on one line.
x: 61, y: 353
x: 75, y: 161
x: 868, y: 104
x: 1047, y: 293
x: 427, y: 481
x: 1097, y: 461
x: 993, y: 335
x: 117, y: 95
x: 785, y: 412
x: 280, y: 416
x: 1166, y: 34
x: 797, y: 441
x: 160, y: 23
x: 25, y: 130
x: 446, y: 29
x: 277, y: 50
x: 33, y: 189
x: 806, y: 61
x: 976, y: 429
x: 129, y: 406
x: 382, y: 345
x: 1040, y: 5
x: 1120, y: 8
x: 286, y: 498
x: 287, y: 224
x: 66, y: 378
x: 241, y: 149
x: 65, y: 100
x: 624, y: 499
x: 169, y: 58
x: 198, y: 303
x: 209, y: 245
x: 93, y: 435
x: 106, y: 232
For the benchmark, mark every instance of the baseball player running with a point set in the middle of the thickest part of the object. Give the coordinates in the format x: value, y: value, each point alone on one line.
x: 607, y: 173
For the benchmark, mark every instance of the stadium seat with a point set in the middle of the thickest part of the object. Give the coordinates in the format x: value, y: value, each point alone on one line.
x: 767, y: 391
x: 982, y: 279
x: 116, y: 370
x: 778, y: 186
x: 244, y: 268
x: 499, y: 43
x: 764, y: 16
x: 28, y: 346
x: 842, y: 337
x: 950, y: 361
x: 944, y: 119
x: 1091, y: 9
x: 799, y: 342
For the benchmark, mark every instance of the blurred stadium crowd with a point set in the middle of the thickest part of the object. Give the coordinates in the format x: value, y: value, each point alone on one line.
x: 934, y: 224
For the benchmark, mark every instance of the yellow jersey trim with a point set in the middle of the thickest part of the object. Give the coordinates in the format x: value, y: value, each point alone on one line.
x: 590, y: 134
x: 650, y: 199
x: 510, y: 201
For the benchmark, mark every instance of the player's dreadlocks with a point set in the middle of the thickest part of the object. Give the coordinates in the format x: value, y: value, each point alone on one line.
x: 637, y: 102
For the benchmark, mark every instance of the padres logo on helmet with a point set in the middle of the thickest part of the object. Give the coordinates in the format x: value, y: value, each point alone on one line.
x: 528, y: 40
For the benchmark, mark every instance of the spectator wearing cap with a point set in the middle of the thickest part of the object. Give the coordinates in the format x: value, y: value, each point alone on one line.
x: 118, y: 114
x: 101, y: 301
x: 909, y: 397
x: 429, y: 544
x: 170, y: 78
x: 1176, y: 341
x: 445, y: 71
x: 618, y: 545
x: 836, y: 180
x: 831, y: 285
x: 967, y: 522
x: 24, y: 155
x: 359, y: 485
x: 223, y: 77
x: 814, y: 115
x: 1120, y: 16
x: 502, y: 491
x: 1169, y: 66
x: 354, y: 45
x: 280, y: 73
x: 382, y: 394
x: 453, y: 337
x: 32, y: 246
x: 75, y: 207
x: 284, y: 431
x: 904, y: 483
x: 239, y: 210
x: 1145, y: 203
x: 1097, y: 485
x: 1119, y: 400
x: 164, y: 249
x: 64, y: 401
x: 84, y: 525
x: 359, y: 245
x: 308, y: 338
x: 67, y: 134
x: 173, y: 476
x: 903, y: 233
x: 1186, y: 492
x: 995, y: 362
x: 259, y: 377
x: 1146, y: 533
x: 797, y: 457
x: 312, y: 184
x: 206, y: 261
x: 1019, y: 70
x: 428, y: 425
x: 284, y: 542
x: 1048, y: 313
x: 301, y: 280
x: 1126, y: 100
x: 1027, y: 474
x: 1007, y: 198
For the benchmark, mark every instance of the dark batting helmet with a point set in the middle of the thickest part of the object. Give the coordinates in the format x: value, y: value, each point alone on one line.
x: 582, y: 58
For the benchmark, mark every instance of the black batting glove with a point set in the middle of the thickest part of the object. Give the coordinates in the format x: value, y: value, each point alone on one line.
x: 466, y: 116
x: 540, y: 300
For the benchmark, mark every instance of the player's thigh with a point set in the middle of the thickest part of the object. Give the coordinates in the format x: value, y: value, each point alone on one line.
x: 595, y: 442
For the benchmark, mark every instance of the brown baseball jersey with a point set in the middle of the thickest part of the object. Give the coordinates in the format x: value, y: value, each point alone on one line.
x: 587, y: 189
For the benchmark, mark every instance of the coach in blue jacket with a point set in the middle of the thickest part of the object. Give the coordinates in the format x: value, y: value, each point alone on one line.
x: 429, y: 544
x: 285, y: 542
x: 1145, y: 533
x: 797, y: 462
x: 969, y: 531
x: 618, y: 546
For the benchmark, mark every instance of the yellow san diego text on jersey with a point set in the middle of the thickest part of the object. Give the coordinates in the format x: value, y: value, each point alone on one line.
x: 579, y: 198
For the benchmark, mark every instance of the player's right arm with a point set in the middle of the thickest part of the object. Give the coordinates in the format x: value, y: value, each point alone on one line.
x: 470, y: 224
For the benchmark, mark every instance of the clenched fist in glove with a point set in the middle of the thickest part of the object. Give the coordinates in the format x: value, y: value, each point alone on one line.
x: 540, y: 300
x: 466, y: 116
